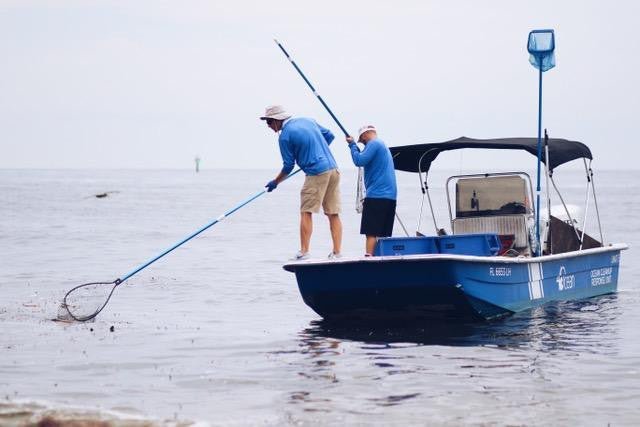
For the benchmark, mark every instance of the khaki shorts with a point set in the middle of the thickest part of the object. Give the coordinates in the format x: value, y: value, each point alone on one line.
x: 321, y: 190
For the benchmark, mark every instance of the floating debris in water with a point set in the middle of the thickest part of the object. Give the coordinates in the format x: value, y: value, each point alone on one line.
x: 102, y: 195
x: 105, y: 194
x: 63, y: 314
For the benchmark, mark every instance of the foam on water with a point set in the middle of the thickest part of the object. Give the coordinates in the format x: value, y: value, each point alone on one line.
x: 22, y: 413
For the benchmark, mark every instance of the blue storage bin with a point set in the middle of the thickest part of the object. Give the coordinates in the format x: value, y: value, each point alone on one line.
x: 406, y: 246
x: 470, y: 244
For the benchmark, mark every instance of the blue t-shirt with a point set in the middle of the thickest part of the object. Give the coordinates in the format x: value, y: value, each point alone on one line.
x: 305, y: 142
x: 379, y: 173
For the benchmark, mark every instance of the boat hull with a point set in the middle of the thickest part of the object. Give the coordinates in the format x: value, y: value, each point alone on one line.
x: 452, y: 286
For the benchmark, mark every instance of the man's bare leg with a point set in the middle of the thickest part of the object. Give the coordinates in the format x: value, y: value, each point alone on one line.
x: 306, y: 228
x: 336, y: 232
x: 371, y: 244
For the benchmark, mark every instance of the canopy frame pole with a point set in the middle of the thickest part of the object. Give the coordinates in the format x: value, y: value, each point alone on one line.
x: 548, y: 242
x: 420, y: 215
x: 566, y: 210
x: 449, y: 204
x: 425, y: 190
x: 423, y: 194
x: 433, y: 215
x: 586, y: 203
x: 595, y: 202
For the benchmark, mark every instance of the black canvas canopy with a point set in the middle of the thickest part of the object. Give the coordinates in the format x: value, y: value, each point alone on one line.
x: 561, y: 151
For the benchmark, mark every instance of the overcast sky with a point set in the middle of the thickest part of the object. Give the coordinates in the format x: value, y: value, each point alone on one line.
x: 150, y: 84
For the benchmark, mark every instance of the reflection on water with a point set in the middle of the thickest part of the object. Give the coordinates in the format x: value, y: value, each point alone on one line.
x: 335, y: 356
x: 561, y: 325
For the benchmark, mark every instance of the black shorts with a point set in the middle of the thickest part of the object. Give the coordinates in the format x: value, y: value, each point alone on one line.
x: 377, y: 217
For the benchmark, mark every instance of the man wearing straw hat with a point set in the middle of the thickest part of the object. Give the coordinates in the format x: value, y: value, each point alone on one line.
x: 305, y: 142
x: 379, y: 206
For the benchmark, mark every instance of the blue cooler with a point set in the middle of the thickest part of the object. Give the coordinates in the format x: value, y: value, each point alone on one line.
x: 470, y: 244
x: 387, y: 246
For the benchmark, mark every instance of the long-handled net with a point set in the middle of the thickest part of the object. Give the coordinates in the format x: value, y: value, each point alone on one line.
x: 541, y: 45
x: 86, y: 301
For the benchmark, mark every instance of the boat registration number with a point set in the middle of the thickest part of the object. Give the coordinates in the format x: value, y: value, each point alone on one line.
x: 500, y: 271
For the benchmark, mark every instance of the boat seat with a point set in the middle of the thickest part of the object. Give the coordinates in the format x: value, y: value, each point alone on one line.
x: 499, y: 224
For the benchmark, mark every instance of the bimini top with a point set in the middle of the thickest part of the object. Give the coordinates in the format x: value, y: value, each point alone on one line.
x: 407, y: 157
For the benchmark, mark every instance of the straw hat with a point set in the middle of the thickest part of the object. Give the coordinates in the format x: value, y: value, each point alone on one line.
x: 276, y: 112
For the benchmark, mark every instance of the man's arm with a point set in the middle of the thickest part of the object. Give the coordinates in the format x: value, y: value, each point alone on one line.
x: 288, y: 160
x: 271, y: 185
x: 361, y: 158
x: 281, y: 177
x: 327, y: 134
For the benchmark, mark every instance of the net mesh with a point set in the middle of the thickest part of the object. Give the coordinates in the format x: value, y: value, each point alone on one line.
x: 541, y: 47
x: 84, y: 302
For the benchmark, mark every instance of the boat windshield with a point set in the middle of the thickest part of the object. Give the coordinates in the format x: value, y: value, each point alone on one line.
x: 491, y: 195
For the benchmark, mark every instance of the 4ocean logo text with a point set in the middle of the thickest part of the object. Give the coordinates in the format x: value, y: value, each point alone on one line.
x: 565, y: 281
x: 598, y: 276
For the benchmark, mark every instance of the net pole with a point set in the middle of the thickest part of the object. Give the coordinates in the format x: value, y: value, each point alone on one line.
x: 313, y: 89
x: 326, y: 107
x: 191, y: 236
x: 539, y: 161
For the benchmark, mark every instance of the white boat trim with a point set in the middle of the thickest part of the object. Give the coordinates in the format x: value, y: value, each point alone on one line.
x: 467, y: 258
x: 536, y: 288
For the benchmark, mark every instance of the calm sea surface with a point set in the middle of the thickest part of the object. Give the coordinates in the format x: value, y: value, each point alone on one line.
x: 217, y: 333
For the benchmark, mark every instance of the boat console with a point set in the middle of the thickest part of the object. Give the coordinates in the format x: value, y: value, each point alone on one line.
x: 494, y: 203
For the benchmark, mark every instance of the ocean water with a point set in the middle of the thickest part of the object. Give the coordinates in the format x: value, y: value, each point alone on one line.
x: 216, y: 333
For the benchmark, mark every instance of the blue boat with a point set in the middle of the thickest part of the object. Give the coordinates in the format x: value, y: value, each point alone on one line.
x: 489, y: 263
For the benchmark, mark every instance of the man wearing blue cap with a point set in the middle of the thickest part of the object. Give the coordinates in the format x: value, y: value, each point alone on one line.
x: 379, y: 207
x: 305, y: 142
